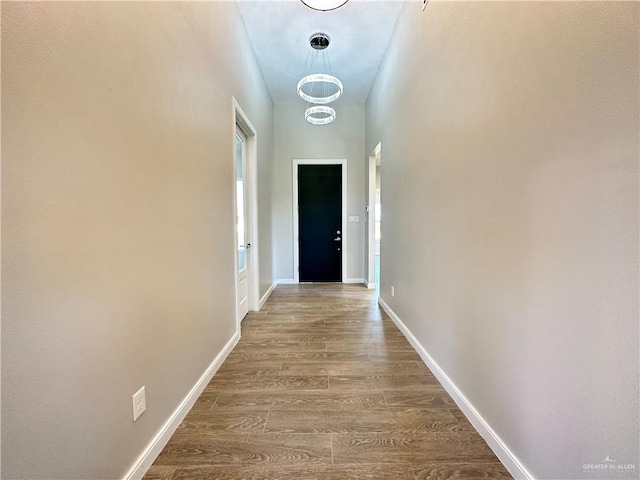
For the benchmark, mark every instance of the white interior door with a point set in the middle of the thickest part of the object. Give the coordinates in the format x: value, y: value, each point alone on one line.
x: 242, y: 258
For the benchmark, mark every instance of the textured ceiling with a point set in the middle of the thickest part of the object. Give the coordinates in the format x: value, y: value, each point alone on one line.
x: 279, y: 32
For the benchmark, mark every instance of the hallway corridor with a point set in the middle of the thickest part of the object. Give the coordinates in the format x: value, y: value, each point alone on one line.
x: 323, y: 385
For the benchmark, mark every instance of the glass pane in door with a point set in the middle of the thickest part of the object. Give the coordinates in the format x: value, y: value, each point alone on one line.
x: 240, y: 220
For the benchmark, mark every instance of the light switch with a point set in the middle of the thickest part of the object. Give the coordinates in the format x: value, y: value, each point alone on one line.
x: 354, y: 219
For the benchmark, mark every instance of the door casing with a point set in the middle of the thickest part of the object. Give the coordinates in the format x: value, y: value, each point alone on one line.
x: 296, y: 226
x: 241, y: 120
x: 371, y: 210
x: 374, y: 158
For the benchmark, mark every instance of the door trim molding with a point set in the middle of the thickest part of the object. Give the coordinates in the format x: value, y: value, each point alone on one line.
x: 242, y: 120
x: 296, y: 244
x: 371, y: 218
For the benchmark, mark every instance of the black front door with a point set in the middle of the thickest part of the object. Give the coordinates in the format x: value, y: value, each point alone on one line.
x: 320, y: 222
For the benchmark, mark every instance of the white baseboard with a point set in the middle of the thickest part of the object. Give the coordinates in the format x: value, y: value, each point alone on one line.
x: 506, y: 456
x: 265, y: 297
x: 156, y: 445
x: 291, y: 281
x: 370, y: 286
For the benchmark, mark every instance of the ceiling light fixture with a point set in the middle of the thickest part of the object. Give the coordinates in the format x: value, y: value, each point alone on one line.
x: 324, y: 5
x: 320, y: 115
x: 319, y: 88
x: 315, y: 81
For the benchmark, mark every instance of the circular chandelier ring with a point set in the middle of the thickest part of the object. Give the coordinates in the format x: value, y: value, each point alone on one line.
x: 311, y: 115
x: 324, y: 5
x: 320, y: 78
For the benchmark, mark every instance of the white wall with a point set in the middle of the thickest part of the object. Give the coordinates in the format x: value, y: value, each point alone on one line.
x: 297, y: 139
x: 118, y: 253
x: 510, y: 151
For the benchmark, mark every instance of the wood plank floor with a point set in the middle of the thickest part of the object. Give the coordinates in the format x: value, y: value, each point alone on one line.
x: 324, y: 386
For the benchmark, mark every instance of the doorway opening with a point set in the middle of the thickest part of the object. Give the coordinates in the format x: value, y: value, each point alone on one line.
x: 374, y: 218
x: 246, y: 214
x: 319, y: 220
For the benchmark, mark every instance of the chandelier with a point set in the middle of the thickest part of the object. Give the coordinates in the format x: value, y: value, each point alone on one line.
x: 324, y: 5
x: 320, y: 81
x: 319, y: 89
x: 320, y: 115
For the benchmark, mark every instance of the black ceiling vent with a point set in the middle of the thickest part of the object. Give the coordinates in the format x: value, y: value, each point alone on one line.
x: 319, y: 41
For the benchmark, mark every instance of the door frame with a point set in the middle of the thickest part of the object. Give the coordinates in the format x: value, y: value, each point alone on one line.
x: 374, y: 158
x: 371, y: 219
x: 296, y: 225
x: 251, y: 182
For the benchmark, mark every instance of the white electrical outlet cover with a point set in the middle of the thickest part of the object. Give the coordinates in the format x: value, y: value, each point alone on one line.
x: 139, y: 403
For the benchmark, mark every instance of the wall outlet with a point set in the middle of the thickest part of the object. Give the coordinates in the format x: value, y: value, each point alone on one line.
x: 393, y: 291
x: 139, y: 403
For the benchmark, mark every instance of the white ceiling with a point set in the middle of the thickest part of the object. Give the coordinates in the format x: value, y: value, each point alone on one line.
x: 279, y: 32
